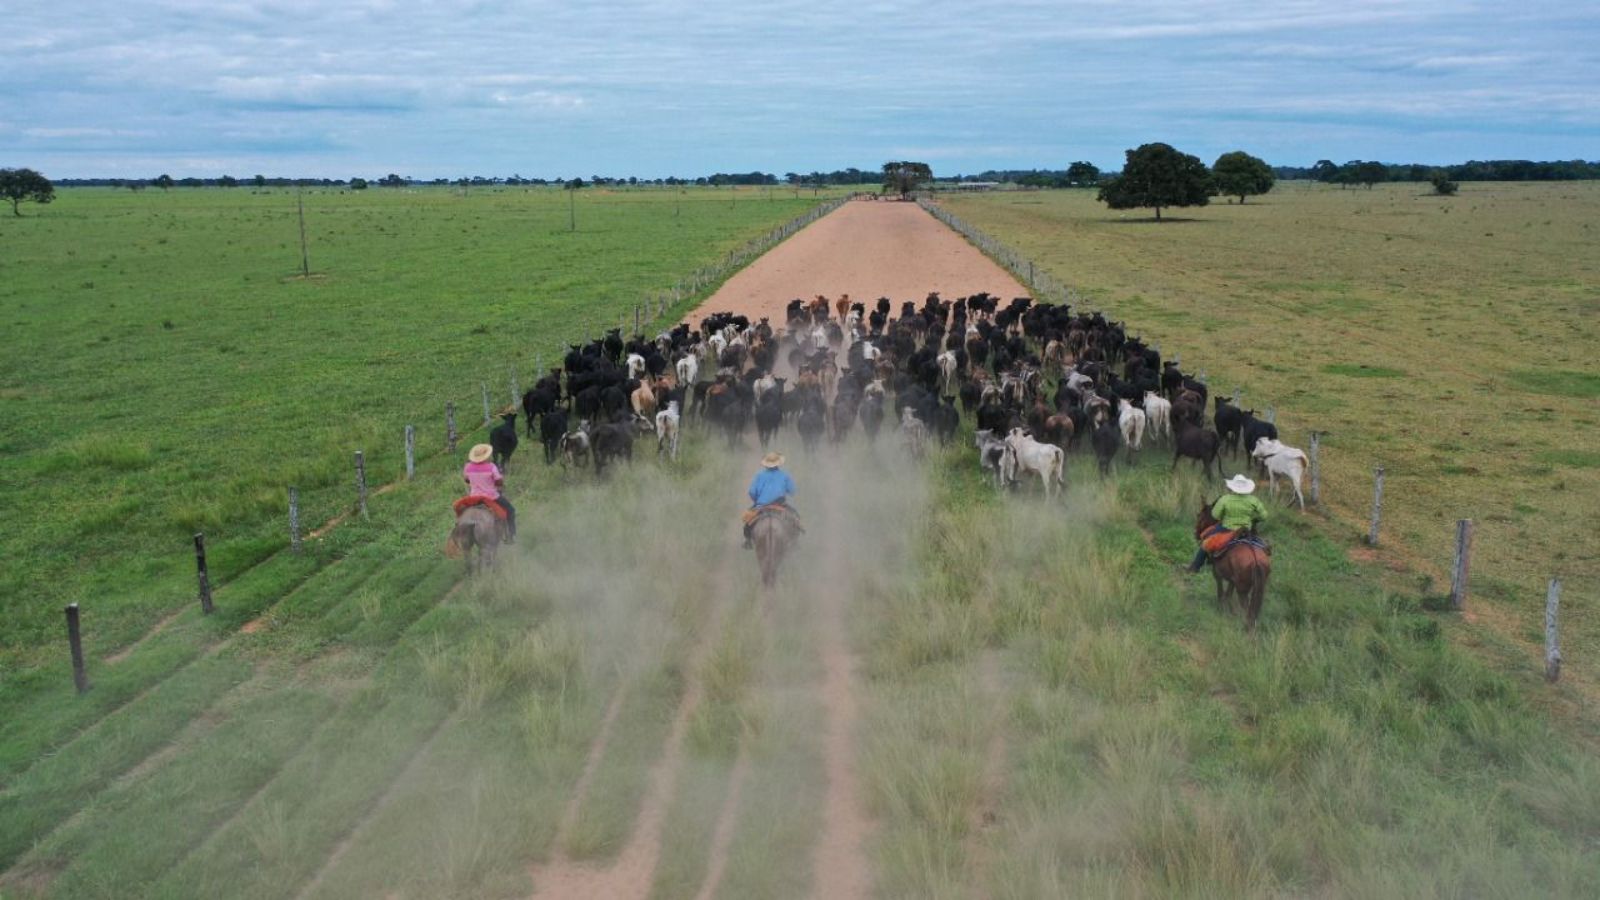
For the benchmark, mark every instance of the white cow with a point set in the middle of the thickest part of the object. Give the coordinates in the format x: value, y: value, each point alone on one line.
x: 1048, y: 460
x: 1159, y: 411
x: 688, y: 369
x: 763, y: 384
x: 947, y: 369
x: 667, y: 431
x: 635, y: 366
x: 1279, y: 458
x: 1131, y: 422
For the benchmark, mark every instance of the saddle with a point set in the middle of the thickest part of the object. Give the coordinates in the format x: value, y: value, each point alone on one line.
x: 471, y: 500
x: 751, y: 516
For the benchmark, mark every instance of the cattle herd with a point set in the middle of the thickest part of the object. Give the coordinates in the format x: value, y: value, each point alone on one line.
x: 1037, y: 380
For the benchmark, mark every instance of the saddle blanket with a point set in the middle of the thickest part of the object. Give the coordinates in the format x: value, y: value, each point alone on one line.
x: 471, y: 500
x: 1220, y: 543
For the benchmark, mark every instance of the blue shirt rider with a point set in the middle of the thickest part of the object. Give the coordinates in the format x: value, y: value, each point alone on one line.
x: 772, y: 485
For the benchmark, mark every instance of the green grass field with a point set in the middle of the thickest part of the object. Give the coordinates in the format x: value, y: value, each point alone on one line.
x: 1450, y: 339
x: 1045, y: 707
x: 165, y: 371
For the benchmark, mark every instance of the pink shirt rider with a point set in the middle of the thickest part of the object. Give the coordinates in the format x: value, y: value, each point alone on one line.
x: 483, y: 479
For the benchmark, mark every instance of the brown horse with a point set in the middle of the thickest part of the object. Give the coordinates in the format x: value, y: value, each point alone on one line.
x: 773, y: 532
x: 1242, y: 571
x: 480, y: 528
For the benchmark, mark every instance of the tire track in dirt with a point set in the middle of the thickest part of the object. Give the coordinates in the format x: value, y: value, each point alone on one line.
x: 727, y: 818
x: 839, y: 861
x: 633, y: 872
x: 986, y: 812
x: 591, y: 764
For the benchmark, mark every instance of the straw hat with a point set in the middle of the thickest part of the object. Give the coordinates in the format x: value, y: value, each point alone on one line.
x: 480, y: 453
x: 772, y: 460
x: 1241, y: 485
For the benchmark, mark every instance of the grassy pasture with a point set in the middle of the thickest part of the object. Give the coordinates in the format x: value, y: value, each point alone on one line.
x: 1046, y: 708
x: 165, y: 371
x: 387, y: 734
x: 1452, y: 340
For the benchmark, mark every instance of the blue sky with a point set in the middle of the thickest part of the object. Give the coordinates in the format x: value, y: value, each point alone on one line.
x: 337, y: 88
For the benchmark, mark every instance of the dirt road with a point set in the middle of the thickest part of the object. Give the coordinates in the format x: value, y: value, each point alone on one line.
x: 867, y: 249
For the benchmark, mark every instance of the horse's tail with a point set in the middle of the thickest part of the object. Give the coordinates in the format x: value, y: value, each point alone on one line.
x: 455, y: 546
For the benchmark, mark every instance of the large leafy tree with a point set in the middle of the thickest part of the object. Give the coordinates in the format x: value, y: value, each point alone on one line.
x: 18, y: 185
x: 1082, y: 174
x: 1238, y: 174
x: 1156, y: 176
x: 903, y: 177
x: 163, y: 181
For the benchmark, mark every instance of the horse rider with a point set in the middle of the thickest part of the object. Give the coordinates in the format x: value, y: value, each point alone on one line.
x: 772, y: 486
x: 1237, y: 511
x: 484, y: 479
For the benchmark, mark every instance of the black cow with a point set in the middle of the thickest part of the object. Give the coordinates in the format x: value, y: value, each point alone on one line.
x: 504, y: 440
x: 551, y: 428
x: 1255, y: 429
x: 1106, y: 439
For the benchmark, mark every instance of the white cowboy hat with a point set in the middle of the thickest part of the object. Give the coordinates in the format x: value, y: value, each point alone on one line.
x: 1241, y: 485
x: 772, y: 460
x: 480, y: 453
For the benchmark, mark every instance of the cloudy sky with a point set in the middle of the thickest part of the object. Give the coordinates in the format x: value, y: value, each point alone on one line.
x: 336, y: 88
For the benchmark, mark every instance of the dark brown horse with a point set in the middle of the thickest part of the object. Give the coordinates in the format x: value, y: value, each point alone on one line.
x: 773, y: 532
x: 480, y: 528
x: 1242, y: 571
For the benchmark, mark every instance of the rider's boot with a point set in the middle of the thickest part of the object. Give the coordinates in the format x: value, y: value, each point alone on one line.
x: 1198, y: 562
x: 748, y: 543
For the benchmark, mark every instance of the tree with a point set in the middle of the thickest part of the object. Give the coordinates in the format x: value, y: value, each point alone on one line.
x: 227, y: 181
x: 1238, y: 174
x: 18, y: 185
x: 163, y: 181
x: 1156, y: 175
x: 1368, y: 173
x: 358, y: 184
x: 1442, y: 185
x: 903, y: 177
x: 1083, y: 174
x: 1324, y: 170
x: 260, y: 181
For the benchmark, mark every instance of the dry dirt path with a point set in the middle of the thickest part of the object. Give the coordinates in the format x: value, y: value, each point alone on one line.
x: 867, y: 249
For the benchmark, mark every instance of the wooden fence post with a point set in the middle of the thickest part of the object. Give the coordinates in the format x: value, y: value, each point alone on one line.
x: 80, y: 679
x: 1458, y: 577
x: 486, y: 404
x: 203, y: 574
x: 636, y: 320
x: 1377, y: 505
x: 1316, y: 469
x: 516, y: 389
x: 411, y: 451
x: 1552, y: 639
x: 450, y: 427
x: 294, y: 518
x: 361, y: 482
x: 1272, y: 415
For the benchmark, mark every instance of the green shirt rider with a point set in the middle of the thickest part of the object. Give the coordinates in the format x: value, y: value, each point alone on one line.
x: 1237, y: 511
